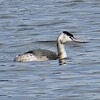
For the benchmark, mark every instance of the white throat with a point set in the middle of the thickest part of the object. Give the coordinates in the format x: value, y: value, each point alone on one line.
x: 60, y: 47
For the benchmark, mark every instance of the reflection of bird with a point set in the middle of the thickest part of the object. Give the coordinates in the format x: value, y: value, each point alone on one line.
x: 43, y: 55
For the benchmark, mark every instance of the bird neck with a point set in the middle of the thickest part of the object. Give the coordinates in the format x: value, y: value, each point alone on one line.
x: 61, y: 50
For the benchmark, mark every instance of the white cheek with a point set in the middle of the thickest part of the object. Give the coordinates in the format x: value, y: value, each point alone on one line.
x: 68, y: 38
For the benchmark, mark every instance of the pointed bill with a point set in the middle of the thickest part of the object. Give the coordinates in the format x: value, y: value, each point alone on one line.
x: 76, y: 40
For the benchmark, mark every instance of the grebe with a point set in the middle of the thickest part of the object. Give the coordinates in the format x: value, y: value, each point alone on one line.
x: 43, y: 55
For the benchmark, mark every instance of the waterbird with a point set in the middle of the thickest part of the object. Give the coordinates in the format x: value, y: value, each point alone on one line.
x: 44, y: 55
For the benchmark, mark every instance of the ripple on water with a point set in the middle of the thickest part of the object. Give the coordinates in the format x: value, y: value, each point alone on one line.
x: 27, y: 25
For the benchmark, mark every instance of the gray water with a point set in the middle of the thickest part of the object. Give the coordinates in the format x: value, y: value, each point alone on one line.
x: 31, y: 24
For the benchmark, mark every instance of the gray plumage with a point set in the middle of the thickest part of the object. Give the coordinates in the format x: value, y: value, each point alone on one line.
x: 36, y: 55
x: 42, y: 52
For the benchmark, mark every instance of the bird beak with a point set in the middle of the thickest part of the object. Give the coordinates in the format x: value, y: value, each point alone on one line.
x: 76, y: 40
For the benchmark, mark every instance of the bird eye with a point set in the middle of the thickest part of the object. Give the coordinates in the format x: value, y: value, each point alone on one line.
x: 71, y: 37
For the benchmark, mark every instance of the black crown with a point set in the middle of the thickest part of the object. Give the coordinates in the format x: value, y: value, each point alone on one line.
x: 67, y: 33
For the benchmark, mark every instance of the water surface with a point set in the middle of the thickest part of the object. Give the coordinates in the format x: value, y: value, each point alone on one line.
x: 24, y: 24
